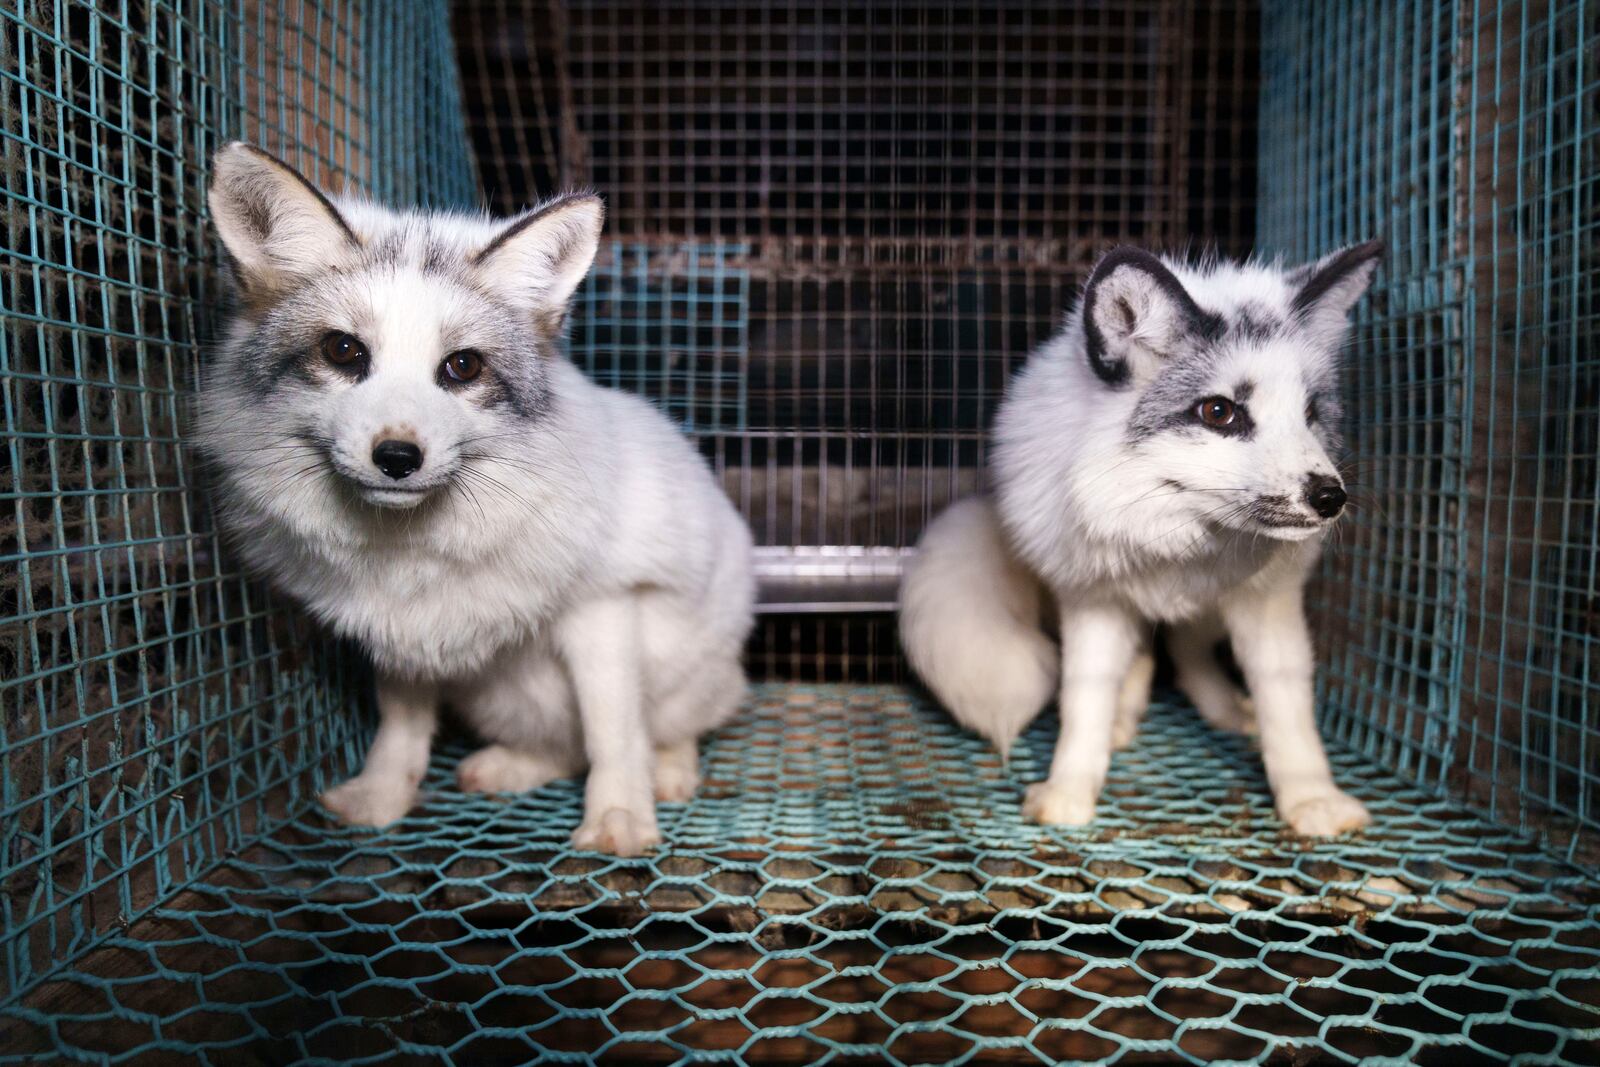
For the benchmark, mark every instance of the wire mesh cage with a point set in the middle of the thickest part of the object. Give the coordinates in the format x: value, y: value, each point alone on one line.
x: 835, y: 229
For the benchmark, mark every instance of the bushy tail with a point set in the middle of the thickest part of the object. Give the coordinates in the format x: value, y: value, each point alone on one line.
x: 970, y: 624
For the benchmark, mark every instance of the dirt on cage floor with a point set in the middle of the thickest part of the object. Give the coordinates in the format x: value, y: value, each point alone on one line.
x: 854, y: 880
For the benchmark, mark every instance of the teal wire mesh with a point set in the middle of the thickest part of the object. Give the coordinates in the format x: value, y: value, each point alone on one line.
x: 1373, y: 91
x: 157, y: 712
x: 670, y: 323
x: 1462, y: 608
x: 854, y: 883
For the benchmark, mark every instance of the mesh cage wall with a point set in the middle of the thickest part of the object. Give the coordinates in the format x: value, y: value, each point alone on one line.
x: 1461, y: 611
x: 909, y: 193
x: 157, y: 711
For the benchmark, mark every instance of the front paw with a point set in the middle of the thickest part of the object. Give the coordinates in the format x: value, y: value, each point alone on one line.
x: 1245, y: 717
x: 1233, y: 713
x: 618, y: 831
x: 370, y: 801
x: 1325, y: 814
x: 1123, y: 731
x: 1059, y: 805
x: 498, y: 769
x: 677, y: 773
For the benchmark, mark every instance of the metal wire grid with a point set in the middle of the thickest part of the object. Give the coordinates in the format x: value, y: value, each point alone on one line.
x: 156, y: 711
x: 944, y: 122
x: 1531, y: 683
x: 907, y: 237
x: 752, y: 120
x: 1379, y: 159
x: 671, y: 323
x: 854, y: 881
x: 1462, y: 611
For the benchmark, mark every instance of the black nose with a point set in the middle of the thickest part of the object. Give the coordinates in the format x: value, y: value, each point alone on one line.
x: 1325, y: 495
x: 397, y: 459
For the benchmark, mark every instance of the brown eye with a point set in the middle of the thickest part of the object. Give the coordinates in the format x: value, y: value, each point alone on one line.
x: 343, y: 350
x: 1216, y: 411
x: 1311, y: 412
x: 462, y: 366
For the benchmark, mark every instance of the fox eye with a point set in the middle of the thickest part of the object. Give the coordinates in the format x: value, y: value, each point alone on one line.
x: 1311, y: 412
x: 1216, y: 411
x: 462, y: 366
x: 343, y: 350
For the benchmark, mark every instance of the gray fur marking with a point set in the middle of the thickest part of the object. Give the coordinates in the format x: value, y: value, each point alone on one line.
x: 286, y: 336
x: 1166, y: 401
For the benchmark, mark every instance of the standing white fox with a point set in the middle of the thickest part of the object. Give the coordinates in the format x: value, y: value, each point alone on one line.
x: 1165, y: 458
x: 399, y: 444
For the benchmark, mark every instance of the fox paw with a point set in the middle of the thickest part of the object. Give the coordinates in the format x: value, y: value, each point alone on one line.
x: 1058, y: 805
x: 617, y: 831
x: 1325, y: 814
x: 1123, y: 731
x: 1245, y: 718
x: 676, y: 784
x: 498, y: 769
x: 364, y: 801
x: 1235, y: 716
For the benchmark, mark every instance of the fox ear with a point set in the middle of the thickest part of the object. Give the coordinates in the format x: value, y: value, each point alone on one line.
x: 1135, y: 311
x: 274, y: 223
x: 540, y: 257
x: 1325, y: 291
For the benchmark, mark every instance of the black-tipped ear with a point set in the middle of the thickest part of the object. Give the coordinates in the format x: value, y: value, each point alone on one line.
x: 1325, y: 291
x: 275, y: 224
x: 1135, y: 311
x: 540, y: 257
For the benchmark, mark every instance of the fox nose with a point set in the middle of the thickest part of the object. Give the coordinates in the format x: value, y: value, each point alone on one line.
x: 397, y: 459
x: 1325, y: 494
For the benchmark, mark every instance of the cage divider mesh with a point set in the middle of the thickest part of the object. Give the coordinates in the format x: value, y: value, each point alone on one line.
x: 834, y: 230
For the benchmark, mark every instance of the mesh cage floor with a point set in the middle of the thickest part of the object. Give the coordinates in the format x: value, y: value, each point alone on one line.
x: 854, y: 880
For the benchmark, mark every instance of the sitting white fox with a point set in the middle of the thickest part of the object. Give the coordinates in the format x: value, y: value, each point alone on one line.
x: 399, y: 443
x: 1165, y: 458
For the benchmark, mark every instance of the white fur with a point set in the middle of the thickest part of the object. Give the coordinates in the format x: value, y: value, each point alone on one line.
x: 250, y: 189
x: 969, y: 622
x: 1085, y: 517
x: 573, y: 582
x: 542, y: 261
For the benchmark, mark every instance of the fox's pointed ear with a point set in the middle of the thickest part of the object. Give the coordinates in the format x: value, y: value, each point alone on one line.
x: 540, y: 257
x: 1325, y: 291
x: 1135, y: 312
x: 274, y: 223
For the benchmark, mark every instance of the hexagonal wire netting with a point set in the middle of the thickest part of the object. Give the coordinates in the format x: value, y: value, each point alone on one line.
x: 835, y: 230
